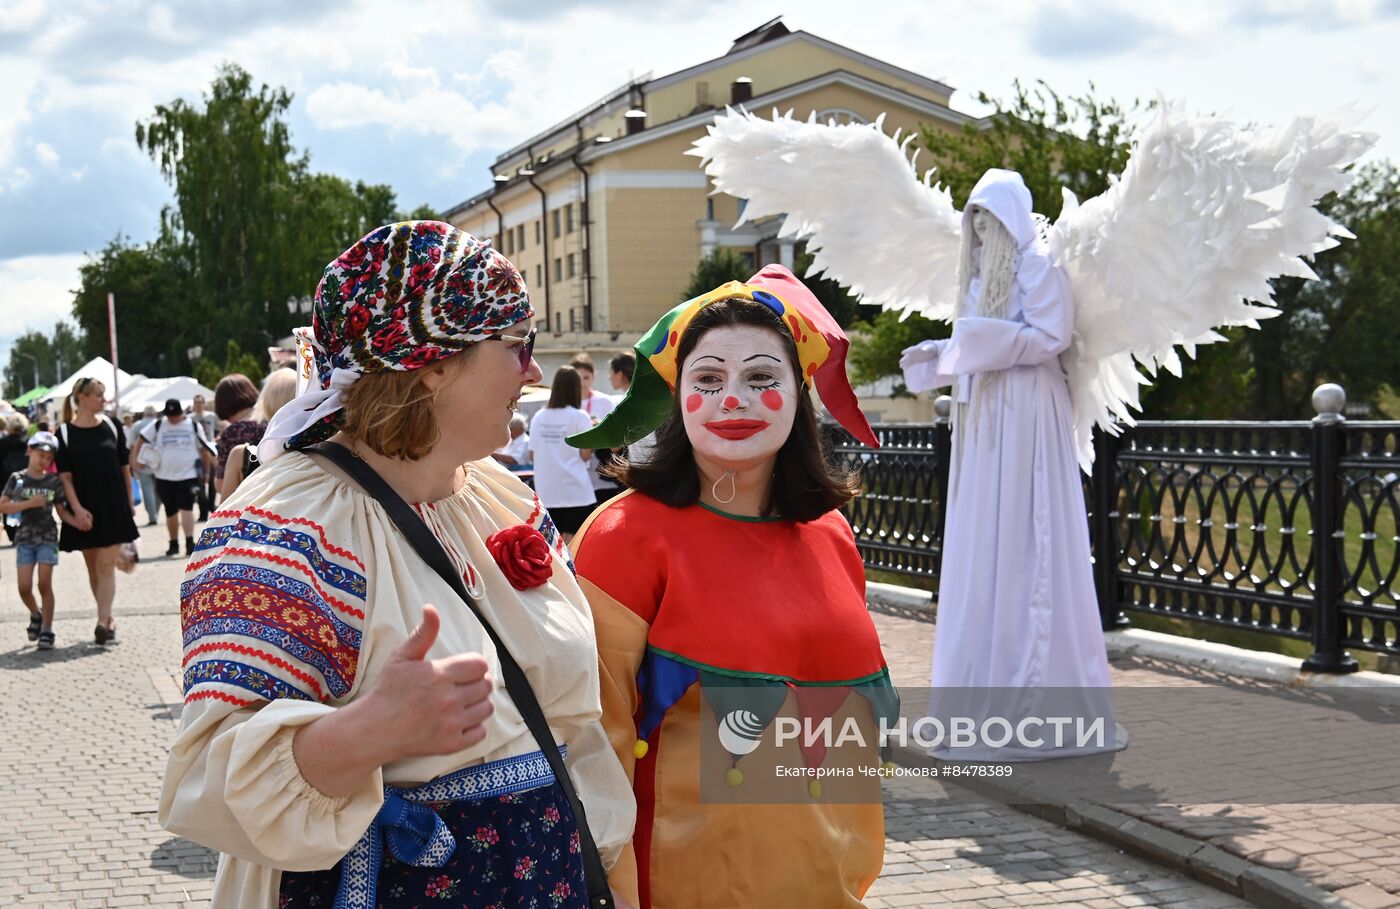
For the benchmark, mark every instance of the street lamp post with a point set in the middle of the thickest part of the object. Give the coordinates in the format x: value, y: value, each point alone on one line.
x: 35, y: 360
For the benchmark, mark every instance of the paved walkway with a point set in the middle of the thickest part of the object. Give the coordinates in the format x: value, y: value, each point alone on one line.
x: 87, y: 729
x: 1349, y: 849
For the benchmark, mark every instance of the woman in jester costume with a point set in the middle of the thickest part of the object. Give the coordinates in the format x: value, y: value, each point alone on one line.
x: 729, y: 599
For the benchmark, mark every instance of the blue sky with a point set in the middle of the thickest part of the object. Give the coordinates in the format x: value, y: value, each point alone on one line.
x: 423, y: 96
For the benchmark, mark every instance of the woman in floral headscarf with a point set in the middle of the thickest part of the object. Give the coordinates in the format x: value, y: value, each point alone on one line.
x: 329, y: 712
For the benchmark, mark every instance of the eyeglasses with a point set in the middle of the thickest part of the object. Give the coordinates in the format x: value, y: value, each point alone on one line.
x: 526, y: 350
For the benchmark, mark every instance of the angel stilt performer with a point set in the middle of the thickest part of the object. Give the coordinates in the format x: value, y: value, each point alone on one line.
x: 1051, y: 332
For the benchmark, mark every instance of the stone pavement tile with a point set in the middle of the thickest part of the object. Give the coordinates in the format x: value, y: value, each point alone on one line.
x: 1067, y: 868
x: 101, y: 730
x: 1368, y: 896
x: 108, y: 715
x: 1332, y: 846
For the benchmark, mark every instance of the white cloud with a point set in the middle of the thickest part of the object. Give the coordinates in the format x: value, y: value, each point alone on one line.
x: 432, y: 111
x: 426, y: 103
x: 36, y: 293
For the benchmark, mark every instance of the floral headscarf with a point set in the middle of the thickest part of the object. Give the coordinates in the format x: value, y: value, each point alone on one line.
x: 405, y: 296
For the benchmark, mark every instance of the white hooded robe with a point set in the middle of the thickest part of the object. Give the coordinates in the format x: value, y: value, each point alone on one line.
x: 1016, y: 603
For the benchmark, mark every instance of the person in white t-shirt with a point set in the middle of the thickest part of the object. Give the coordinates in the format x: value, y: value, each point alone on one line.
x: 181, y: 446
x: 622, y: 365
x: 561, y: 474
x: 147, y: 478
x: 597, y: 406
x: 515, y: 454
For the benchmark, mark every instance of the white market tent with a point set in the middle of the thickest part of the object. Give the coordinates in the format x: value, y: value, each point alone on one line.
x: 154, y: 392
x: 98, y: 368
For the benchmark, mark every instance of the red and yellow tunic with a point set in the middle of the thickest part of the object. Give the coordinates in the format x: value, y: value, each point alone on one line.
x: 691, y: 603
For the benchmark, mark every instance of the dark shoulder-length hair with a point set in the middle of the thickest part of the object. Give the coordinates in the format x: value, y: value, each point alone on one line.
x: 806, y: 485
x: 567, y: 388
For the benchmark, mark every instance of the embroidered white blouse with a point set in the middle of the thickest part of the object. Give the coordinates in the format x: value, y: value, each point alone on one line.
x: 299, y: 590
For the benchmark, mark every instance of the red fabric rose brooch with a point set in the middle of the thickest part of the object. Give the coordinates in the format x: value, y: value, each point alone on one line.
x: 523, y: 554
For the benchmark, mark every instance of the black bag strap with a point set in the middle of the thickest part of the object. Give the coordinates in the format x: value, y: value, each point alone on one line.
x: 430, y: 549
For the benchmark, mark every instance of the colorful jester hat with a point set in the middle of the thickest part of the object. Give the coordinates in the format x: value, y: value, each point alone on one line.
x: 821, y: 348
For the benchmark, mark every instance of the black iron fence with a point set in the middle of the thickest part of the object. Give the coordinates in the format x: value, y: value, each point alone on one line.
x: 1289, y: 529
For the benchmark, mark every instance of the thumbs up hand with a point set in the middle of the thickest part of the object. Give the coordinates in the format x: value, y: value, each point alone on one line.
x: 424, y: 707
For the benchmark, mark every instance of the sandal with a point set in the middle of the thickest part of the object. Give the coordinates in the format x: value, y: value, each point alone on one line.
x: 36, y: 624
x: 104, y: 635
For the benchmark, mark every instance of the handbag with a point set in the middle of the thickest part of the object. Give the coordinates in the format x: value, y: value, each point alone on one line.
x: 149, y: 456
x: 517, y: 685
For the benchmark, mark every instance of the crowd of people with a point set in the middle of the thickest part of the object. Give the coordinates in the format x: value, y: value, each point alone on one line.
x: 76, y: 488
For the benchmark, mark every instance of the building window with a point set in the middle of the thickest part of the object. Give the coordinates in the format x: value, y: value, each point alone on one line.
x: 556, y: 223
x: 539, y: 276
x: 538, y: 238
x: 710, y: 208
x: 571, y: 264
x: 583, y: 212
x: 520, y: 238
x: 839, y: 116
x: 510, y: 243
x: 558, y: 270
x: 569, y: 217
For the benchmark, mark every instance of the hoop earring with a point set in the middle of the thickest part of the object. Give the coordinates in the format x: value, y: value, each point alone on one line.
x: 733, y: 488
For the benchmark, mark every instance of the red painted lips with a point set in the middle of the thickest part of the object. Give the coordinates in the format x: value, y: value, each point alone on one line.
x: 736, y: 429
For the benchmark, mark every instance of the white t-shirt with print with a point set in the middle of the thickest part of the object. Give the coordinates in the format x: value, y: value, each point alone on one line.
x: 561, y: 478
x: 597, y: 406
x: 178, y: 444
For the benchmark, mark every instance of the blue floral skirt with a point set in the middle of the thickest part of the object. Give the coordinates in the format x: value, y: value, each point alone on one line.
x: 517, y: 850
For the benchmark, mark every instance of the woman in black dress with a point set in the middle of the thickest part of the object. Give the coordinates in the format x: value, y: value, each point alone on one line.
x: 92, y: 463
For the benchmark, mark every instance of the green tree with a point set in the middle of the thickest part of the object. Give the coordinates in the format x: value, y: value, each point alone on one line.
x: 1345, y: 326
x: 421, y: 213
x: 31, y: 364
x: 1052, y: 141
x: 722, y: 265
x: 157, y: 316
x: 234, y: 173
x: 54, y: 357
x: 844, y: 307
x: 875, y: 349
x: 251, y: 223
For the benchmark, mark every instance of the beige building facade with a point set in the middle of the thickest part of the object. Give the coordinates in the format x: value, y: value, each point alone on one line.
x: 606, y: 215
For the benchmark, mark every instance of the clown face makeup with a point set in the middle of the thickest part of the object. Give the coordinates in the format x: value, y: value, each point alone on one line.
x: 738, y: 395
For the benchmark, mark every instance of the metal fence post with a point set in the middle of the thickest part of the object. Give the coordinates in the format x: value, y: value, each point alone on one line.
x: 1328, y: 535
x: 943, y: 456
x: 1104, y: 483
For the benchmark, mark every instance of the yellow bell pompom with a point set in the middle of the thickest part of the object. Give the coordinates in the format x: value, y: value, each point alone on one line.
x: 814, y: 789
x: 733, y: 776
x: 640, y: 748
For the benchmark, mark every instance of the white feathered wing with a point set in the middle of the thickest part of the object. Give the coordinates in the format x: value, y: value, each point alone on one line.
x: 851, y: 192
x: 1204, y: 215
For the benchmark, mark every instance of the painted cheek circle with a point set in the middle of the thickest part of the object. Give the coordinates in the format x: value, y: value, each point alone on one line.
x: 693, y: 403
x: 730, y: 402
x: 772, y: 399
